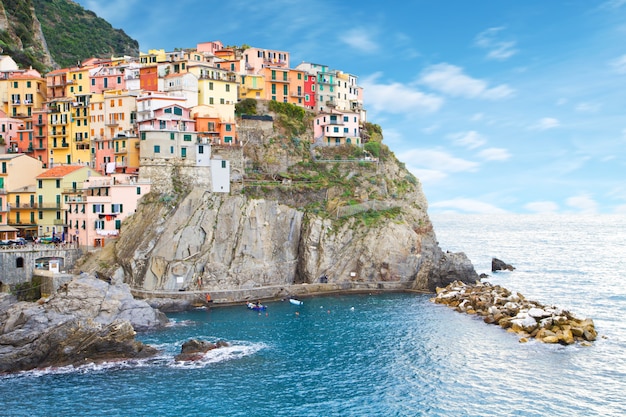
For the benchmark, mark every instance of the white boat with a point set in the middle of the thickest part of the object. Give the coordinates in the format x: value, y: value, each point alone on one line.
x: 295, y: 302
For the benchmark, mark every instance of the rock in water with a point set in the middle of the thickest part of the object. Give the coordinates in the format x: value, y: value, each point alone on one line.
x: 498, y: 265
x: 87, y: 321
x: 193, y: 350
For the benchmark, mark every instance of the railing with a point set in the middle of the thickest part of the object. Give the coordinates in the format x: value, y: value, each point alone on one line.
x: 23, y: 205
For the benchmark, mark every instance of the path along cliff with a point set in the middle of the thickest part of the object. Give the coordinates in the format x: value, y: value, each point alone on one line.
x: 300, y: 218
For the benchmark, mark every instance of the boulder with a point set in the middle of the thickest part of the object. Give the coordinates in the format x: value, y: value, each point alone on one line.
x: 86, y: 321
x: 498, y: 265
x: 193, y: 349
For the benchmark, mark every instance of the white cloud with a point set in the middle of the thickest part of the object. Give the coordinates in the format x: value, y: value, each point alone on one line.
x: 583, y: 203
x: 495, y: 154
x: 620, y: 209
x: 467, y: 205
x: 398, y: 98
x: 497, y: 49
x: 588, y: 107
x: 477, y: 117
x: 619, y: 64
x: 433, y: 165
x: 542, y: 207
x: 470, y: 140
x: 361, y: 40
x: 451, y: 80
x: 546, y: 123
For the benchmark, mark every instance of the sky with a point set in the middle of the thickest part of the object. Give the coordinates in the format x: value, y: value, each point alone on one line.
x: 496, y: 106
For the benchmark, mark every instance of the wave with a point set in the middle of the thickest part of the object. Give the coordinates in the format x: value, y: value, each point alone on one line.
x: 235, y: 351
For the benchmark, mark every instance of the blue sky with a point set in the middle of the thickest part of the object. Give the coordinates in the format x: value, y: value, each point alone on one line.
x: 496, y: 106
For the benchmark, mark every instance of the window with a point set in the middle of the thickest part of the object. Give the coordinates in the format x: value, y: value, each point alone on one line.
x: 222, y: 101
x: 161, y: 124
x: 273, y: 74
x: 285, y: 89
x: 138, y: 190
x: 273, y: 88
x: 336, y: 129
x: 117, y: 208
x: 211, y: 85
x: 28, y: 84
x: 187, y: 138
x: 167, y: 110
x: 210, y: 100
x: 157, y: 149
x: 172, y: 136
x: 223, y: 164
x: 228, y: 139
x: 183, y: 152
x: 201, y: 149
x: 98, y: 208
x: 346, y: 119
x: 178, y: 111
x: 284, y: 76
x: 143, y: 135
x: 4, y: 168
x: 227, y: 88
x: 228, y: 127
x: 99, y: 224
x: 40, y: 215
x: 118, y: 224
x: 58, y: 183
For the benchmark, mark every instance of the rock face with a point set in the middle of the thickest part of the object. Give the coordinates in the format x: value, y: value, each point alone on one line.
x: 88, y: 320
x: 512, y: 311
x: 218, y: 242
x: 498, y: 265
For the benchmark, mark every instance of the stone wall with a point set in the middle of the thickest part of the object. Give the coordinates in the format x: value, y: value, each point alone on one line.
x: 18, y: 264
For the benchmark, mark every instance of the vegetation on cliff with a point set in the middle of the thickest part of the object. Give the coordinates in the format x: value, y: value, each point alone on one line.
x: 71, y: 34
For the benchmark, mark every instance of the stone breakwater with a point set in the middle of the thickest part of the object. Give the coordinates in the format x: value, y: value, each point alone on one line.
x: 513, y: 312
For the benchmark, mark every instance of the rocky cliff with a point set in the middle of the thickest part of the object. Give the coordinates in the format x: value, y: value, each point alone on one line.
x: 337, y: 221
x: 44, y: 33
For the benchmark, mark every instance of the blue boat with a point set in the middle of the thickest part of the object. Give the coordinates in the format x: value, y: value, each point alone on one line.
x: 256, y: 306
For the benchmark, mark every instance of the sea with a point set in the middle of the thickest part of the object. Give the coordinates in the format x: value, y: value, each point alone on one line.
x: 392, y: 354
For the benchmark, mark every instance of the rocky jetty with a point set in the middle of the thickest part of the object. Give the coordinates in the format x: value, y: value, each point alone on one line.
x: 194, y: 349
x: 86, y: 321
x: 512, y: 311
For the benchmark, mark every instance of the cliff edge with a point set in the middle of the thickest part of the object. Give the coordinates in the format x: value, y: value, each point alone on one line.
x: 299, y: 214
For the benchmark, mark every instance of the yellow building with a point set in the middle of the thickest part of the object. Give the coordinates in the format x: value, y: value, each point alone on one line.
x: 26, y: 92
x: 17, y: 180
x: 252, y: 86
x: 54, y: 188
x: 218, y: 89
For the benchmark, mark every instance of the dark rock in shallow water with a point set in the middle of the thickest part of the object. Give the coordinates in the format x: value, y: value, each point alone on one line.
x: 86, y: 321
x: 193, y: 350
x: 498, y: 265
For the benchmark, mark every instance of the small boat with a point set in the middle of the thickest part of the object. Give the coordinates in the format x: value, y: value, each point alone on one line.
x: 295, y: 302
x: 256, y: 306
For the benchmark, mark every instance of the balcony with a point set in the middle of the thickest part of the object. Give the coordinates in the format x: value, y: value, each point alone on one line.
x: 121, y: 151
x: 111, y: 123
x: 50, y: 206
x: 59, y: 222
x: 22, y: 205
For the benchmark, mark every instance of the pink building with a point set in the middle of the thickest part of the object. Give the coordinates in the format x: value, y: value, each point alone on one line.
x: 103, y: 78
x: 337, y: 128
x: 96, y: 213
x: 9, y: 136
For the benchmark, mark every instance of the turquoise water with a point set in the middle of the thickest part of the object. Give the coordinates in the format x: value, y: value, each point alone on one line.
x: 380, y: 355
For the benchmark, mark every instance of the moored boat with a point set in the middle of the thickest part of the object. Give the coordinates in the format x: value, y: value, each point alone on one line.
x: 256, y: 306
x: 295, y: 302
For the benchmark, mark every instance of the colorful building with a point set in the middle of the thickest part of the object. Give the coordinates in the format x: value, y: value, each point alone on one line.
x: 55, y: 186
x: 17, y: 202
x: 96, y: 210
x: 337, y: 128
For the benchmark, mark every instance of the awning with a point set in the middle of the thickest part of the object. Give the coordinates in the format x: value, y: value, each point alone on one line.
x: 7, y: 228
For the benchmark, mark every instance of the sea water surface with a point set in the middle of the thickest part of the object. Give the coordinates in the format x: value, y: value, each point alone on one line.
x: 382, y: 355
